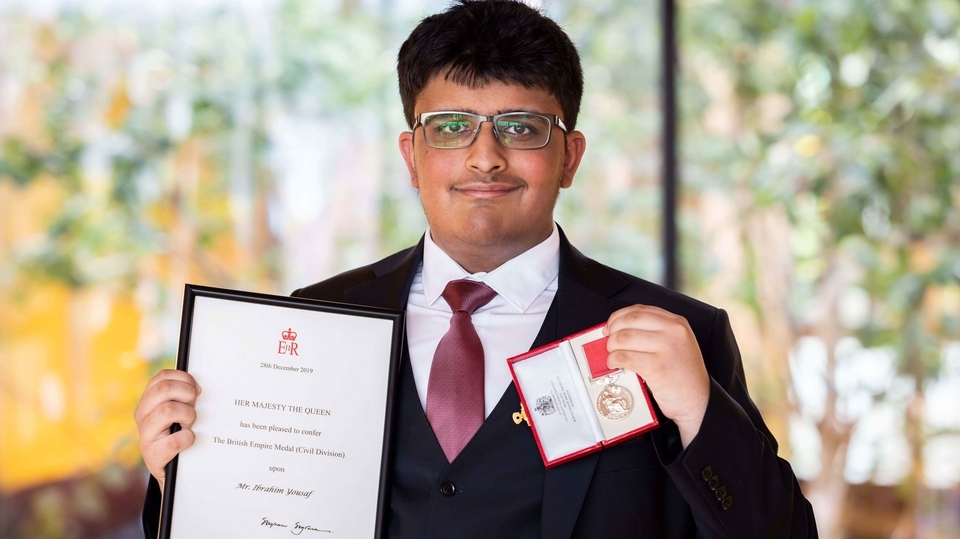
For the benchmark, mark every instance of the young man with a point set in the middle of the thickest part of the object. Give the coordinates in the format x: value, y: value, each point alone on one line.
x: 491, y: 91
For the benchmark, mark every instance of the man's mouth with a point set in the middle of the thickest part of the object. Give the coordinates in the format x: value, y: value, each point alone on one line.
x: 486, y: 190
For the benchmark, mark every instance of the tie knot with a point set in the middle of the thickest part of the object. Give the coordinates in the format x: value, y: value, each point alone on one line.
x: 464, y: 295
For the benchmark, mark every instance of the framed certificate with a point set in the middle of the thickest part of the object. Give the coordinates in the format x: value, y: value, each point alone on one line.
x: 574, y: 403
x: 293, y: 423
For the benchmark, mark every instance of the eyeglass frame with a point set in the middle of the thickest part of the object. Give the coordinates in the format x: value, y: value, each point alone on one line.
x: 552, y: 118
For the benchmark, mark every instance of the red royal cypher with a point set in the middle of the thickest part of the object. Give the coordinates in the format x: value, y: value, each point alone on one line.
x: 287, y: 345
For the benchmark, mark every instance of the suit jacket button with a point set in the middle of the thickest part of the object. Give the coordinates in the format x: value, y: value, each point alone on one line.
x: 707, y: 473
x: 714, y: 482
x: 721, y: 493
x: 448, y: 489
x: 727, y: 503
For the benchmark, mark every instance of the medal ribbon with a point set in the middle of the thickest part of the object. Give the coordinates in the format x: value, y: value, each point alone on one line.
x: 596, y: 353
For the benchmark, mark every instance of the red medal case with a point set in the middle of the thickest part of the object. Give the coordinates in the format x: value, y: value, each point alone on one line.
x: 574, y: 403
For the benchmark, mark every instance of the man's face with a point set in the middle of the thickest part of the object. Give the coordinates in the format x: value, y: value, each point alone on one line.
x: 486, y: 198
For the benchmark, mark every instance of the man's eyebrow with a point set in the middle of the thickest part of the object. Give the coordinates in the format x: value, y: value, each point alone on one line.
x: 457, y: 109
x: 473, y: 111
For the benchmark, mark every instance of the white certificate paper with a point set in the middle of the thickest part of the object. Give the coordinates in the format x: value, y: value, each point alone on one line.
x: 293, y: 420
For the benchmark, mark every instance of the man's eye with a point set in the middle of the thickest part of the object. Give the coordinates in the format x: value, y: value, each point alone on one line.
x: 517, y: 129
x: 452, y: 128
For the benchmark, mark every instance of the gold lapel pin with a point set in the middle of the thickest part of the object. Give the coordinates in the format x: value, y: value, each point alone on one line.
x: 521, y: 416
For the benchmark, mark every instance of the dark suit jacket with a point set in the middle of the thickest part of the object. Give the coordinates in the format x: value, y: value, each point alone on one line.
x: 648, y: 486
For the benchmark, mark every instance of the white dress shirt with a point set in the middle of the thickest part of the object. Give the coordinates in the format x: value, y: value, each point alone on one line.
x: 507, y: 326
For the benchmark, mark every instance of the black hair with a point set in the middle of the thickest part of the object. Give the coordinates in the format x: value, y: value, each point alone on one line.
x: 475, y: 42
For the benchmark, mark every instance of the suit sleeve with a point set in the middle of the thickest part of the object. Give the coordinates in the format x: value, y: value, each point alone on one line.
x: 730, y: 473
x: 150, y: 519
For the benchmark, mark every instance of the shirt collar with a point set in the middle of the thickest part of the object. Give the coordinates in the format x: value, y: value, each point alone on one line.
x: 519, y: 280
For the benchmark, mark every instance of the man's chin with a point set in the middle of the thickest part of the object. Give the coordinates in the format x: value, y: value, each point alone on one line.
x: 496, y: 235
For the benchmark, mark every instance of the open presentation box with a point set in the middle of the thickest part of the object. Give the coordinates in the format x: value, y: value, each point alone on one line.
x: 574, y: 403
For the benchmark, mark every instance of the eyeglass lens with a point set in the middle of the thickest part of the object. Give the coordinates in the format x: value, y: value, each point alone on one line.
x: 514, y: 130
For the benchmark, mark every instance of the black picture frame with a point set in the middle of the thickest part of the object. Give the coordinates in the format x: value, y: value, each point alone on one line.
x: 192, y: 292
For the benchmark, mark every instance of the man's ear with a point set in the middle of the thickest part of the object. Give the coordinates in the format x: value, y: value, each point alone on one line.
x: 406, y: 150
x: 576, y: 146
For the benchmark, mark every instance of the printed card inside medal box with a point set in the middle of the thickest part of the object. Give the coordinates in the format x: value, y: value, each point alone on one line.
x: 574, y: 403
x: 293, y: 422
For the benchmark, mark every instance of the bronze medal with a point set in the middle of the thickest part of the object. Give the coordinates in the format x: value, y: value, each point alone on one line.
x: 614, y: 402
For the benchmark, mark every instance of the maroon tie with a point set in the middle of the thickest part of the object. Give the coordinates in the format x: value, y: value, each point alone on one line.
x: 455, y: 389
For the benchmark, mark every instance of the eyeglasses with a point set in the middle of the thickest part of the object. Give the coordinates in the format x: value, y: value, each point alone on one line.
x: 515, y: 130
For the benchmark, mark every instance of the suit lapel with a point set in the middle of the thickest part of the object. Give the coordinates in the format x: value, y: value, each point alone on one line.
x: 392, y: 286
x: 583, y: 300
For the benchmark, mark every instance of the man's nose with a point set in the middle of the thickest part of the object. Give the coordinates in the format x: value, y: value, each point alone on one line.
x: 486, y: 153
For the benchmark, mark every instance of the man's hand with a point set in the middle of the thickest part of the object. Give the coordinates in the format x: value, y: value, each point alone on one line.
x: 660, y: 347
x: 169, y: 398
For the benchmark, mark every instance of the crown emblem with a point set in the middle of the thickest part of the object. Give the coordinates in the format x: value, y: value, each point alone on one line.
x: 289, y: 335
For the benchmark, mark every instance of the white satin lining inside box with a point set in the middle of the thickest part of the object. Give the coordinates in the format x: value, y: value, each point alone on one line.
x: 558, y: 402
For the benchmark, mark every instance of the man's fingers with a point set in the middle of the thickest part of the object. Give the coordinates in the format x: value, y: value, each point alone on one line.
x: 158, y: 453
x: 168, y: 398
x: 637, y: 362
x: 157, y: 423
x: 172, y: 445
x: 162, y: 391
x: 619, y: 314
x: 638, y: 340
x: 640, y: 317
x: 172, y: 374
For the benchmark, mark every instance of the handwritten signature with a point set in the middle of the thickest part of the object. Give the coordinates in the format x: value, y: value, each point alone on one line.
x: 298, y: 528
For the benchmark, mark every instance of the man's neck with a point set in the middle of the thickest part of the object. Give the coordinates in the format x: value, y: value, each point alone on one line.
x: 486, y: 258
